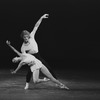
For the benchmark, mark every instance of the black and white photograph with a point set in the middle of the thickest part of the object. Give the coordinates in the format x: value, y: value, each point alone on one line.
x: 50, y: 49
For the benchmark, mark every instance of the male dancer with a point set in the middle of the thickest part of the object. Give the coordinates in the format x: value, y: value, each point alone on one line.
x: 30, y: 46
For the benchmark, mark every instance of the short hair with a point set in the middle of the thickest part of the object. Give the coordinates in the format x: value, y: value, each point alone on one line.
x: 24, y: 32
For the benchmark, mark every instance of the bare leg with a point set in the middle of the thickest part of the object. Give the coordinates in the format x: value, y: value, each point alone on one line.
x: 36, y: 77
x: 28, y: 78
x: 49, y: 75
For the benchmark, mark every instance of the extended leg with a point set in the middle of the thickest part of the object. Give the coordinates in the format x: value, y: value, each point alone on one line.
x: 38, y: 56
x: 49, y: 75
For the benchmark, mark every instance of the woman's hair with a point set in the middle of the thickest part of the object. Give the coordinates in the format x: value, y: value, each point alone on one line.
x: 24, y: 32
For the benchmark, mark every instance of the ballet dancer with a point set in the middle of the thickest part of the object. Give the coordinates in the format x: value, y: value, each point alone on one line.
x: 30, y: 46
x: 35, y: 66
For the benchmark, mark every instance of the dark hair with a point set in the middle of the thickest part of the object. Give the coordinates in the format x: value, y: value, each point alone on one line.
x: 24, y: 32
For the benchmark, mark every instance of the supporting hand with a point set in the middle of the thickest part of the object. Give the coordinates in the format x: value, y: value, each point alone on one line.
x: 13, y: 72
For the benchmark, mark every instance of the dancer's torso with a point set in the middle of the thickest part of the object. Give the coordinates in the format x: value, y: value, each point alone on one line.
x: 30, y: 47
x: 27, y: 58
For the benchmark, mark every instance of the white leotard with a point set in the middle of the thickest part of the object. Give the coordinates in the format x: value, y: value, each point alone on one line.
x: 27, y: 58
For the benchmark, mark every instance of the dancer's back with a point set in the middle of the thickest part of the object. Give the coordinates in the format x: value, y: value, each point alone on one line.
x: 27, y: 58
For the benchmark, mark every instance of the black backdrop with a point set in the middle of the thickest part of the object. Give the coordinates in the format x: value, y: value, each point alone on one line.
x: 70, y: 36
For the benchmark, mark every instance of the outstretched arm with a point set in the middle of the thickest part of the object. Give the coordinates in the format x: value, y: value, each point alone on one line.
x: 38, y: 23
x: 19, y: 66
x: 8, y: 43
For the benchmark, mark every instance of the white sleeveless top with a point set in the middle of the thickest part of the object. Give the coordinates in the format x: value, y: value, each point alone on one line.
x: 31, y: 47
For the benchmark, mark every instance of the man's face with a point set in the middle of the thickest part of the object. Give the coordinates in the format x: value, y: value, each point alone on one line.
x: 26, y: 38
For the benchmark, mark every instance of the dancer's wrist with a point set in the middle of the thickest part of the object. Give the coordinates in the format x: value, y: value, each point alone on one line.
x: 14, y: 72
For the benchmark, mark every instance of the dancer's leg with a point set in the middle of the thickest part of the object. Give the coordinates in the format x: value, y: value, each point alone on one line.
x: 38, y: 56
x: 29, y: 75
x: 28, y: 78
x: 49, y: 75
x: 36, y: 77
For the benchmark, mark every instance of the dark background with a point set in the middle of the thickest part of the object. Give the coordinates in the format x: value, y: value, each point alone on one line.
x: 68, y: 39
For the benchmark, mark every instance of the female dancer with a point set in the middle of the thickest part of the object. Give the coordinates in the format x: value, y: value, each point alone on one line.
x: 30, y: 46
x: 35, y: 66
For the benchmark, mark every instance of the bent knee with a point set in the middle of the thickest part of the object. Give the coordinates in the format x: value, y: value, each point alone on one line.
x: 35, y: 81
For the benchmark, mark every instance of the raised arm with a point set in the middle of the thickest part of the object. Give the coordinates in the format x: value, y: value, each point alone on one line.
x: 8, y: 43
x: 38, y: 23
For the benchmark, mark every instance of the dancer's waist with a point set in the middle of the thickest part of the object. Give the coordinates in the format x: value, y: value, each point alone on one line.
x: 33, y: 51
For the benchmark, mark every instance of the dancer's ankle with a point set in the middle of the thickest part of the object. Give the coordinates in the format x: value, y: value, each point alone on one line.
x: 63, y: 86
x: 46, y: 79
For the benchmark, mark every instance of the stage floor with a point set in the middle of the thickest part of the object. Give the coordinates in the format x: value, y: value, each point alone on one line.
x: 12, y: 88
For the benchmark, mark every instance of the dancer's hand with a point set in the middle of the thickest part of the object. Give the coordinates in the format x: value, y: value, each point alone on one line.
x: 13, y: 72
x: 8, y: 42
x: 16, y: 59
x: 45, y: 16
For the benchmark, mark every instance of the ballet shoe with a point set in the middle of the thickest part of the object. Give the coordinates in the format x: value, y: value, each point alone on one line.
x: 64, y: 87
x: 26, y: 87
x: 46, y: 79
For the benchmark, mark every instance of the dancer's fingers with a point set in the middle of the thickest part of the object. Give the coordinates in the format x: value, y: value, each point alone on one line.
x: 12, y: 71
